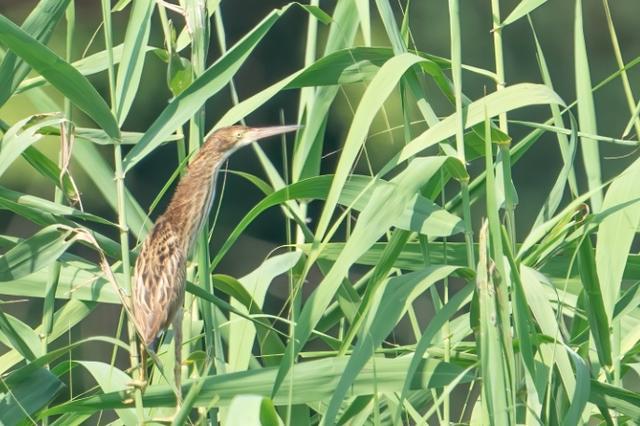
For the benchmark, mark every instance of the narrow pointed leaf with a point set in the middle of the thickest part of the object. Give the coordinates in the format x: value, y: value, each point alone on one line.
x: 185, y: 105
x: 35, y: 253
x: 135, y: 47
x: 39, y: 24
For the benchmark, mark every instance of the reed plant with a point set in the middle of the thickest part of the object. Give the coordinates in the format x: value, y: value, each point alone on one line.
x: 532, y: 322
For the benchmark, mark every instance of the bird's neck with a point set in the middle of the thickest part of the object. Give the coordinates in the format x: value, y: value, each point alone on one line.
x: 189, y: 207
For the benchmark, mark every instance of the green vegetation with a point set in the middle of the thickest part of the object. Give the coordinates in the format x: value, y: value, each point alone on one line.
x: 531, y: 324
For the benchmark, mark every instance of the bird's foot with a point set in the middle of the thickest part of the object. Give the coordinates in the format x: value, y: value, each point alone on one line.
x: 138, y: 384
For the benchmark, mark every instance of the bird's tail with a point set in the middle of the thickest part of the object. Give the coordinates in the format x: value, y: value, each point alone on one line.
x: 149, y: 351
x: 146, y: 351
x: 155, y: 343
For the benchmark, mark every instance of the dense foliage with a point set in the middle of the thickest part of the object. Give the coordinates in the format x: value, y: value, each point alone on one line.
x: 535, y: 327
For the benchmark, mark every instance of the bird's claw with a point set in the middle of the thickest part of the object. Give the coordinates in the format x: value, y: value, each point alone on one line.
x: 138, y: 384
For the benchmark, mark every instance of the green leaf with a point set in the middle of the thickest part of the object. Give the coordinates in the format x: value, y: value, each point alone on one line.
x: 60, y: 74
x: 376, y: 93
x: 613, y: 397
x: 252, y: 410
x: 523, y: 8
x: 436, y: 323
x: 269, y: 342
x: 384, y: 206
x: 39, y: 24
x: 307, y: 153
x: 51, y: 171
x: 184, y: 106
x: 135, y: 47
x: 78, y: 280
x: 419, y: 214
x: 64, y: 319
x: 394, y: 300
x: 581, y: 396
x: 22, y: 135
x: 586, y: 111
x: 40, y: 210
x: 552, y: 353
x: 19, y: 336
x: 110, y: 379
x: 88, y: 65
x: 566, y: 175
x: 318, y: 13
x: 35, y: 253
x: 596, y: 312
x: 512, y: 97
x: 616, y: 233
x: 28, y: 395
x: 180, y: 74
x: 242, y: 332
x: 315, y: 381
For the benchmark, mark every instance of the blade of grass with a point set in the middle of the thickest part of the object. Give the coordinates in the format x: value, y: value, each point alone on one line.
x: 60, y: 74
x: 133, y: 54
x: 39, y: 24
x: 522, y: 9
x: 498, y: 310
x: 374, y: 221
x: 596, y: 312
x: 623, y: 73
x: 185, y: 105
x: 394, y: 298
x: 316, y: 382
x: 586, y: 111
x: 496, y: 405
x: 35, y: 253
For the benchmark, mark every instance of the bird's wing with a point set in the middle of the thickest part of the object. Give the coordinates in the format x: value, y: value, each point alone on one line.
x: 158, y: 281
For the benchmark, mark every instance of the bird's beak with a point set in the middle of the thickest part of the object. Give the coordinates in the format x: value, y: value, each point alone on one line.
x: 255, y: 133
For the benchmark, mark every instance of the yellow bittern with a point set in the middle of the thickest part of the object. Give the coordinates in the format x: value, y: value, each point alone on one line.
x: 159, y: 277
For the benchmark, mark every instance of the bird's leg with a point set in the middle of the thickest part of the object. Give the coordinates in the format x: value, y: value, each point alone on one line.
x: 141, y: 381
x: 177, y: 340
x: 143, y: 362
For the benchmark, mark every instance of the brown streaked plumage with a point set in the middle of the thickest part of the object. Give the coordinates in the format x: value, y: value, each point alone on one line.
x: 159, y: 277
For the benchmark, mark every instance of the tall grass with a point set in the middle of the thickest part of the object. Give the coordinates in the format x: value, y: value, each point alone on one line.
x: 530, y: 326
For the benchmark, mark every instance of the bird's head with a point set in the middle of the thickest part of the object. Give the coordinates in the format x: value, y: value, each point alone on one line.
x: 228, y: 139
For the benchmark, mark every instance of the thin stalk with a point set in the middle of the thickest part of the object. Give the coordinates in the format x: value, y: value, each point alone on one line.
x: 166, y: 29
x: 307, y: 98
x: 620, y: 62
x: 289, y: 240
x: 615, y: 349
x: 446, y: 329
x: 121, y: 204
x: 497, y: 48
x: 503, y: 167
x: 108, y: 44
x: 502, y: 279
x: 503, y: 160
x: 48, y: 308
x: 198, y: 23
x: 126, y: 264
x: 456, y: 70
x: 308, y: 93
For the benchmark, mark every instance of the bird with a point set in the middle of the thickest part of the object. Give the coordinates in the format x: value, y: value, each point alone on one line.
x: 160, y: 270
